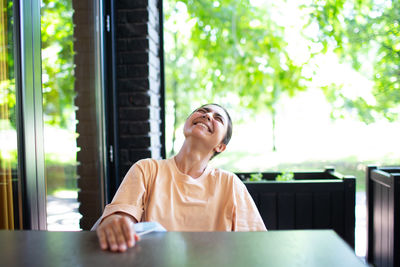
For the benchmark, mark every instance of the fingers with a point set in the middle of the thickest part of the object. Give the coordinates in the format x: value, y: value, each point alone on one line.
x: 102, y: 239
x: 129, y: 232
x: 112, y: 239
x: 116, y: 233
x: 119, y: 237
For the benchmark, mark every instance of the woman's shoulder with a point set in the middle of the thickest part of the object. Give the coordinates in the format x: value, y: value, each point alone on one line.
x: 149, y: 163
x: 225, y: 174
x: 146, y: 161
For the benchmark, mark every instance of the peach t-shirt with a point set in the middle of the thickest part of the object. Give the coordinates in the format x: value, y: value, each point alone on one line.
x: 155, y: 190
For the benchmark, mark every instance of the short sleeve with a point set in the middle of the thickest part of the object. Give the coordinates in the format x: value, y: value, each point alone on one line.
x: 130, y: 195
x: 246, y: 216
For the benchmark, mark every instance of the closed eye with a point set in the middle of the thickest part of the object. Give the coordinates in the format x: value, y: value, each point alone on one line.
x: 219, y: 118
x: 216, y: 115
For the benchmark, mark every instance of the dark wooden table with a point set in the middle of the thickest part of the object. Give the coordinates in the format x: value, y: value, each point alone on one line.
x: 274, y: 248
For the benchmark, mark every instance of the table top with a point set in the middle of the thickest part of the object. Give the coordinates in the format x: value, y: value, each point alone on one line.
x: 272, y: 248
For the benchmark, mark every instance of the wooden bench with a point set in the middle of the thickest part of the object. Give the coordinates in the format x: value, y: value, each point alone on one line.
x: 313, y: 200
x: 383, y: 211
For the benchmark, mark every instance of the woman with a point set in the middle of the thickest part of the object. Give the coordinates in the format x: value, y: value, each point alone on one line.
x: 182, y: 193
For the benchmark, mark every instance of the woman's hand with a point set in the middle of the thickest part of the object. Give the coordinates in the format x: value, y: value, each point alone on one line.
x: 116, y: 232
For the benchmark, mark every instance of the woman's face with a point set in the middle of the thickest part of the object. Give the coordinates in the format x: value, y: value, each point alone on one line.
x: 209, y: 123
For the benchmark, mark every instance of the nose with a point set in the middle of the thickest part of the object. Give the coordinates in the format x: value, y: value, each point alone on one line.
x: 207, y: 116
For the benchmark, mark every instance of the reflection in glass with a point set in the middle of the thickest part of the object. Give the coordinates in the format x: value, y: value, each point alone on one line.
x: 9, y: 188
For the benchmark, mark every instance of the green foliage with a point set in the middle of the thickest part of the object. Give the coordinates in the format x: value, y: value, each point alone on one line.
x: 7, y: 85
x: 223, y: 49
x: 242, y: 51
x: 255, y: 177
x: 233, y: 48
x: 364, y: 33
x: 57, y: 62
x: 285, y: 176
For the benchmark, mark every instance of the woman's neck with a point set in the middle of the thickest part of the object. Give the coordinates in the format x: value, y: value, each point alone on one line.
x: 191, y: 161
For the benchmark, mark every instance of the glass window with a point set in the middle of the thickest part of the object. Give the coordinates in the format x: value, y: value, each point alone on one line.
x: 70, y: 58
x: 59, y: 114
x: 10, y: 216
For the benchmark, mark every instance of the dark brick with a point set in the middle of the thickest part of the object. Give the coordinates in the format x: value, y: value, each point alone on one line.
x: 84, y: 30
x: 124, y: 155
x: 86, y: 152
x: 131, y: 128
x: 86, y: 222
x: 91, y: 194
x: 134, y: 114
x: 85, y: 86
x: 138, y: 44
x: 81, y: 17
x: 128, y: 30
x: 83, y: 101
x: 132, y: 142
x: 130, y: 58
x: 129, y: 4
x: 137, y: 16
x: 82, y: 114
x: 121, y: 71
x: 137, y: 154
x: 88, y: 182
x: 134, y: 99
x: 87, y: 142
x: 129, y: 85
x: 121, y: 16
x: 86, y: 128
x: 121, y: 45
x: 138, y: 81
x: 81, y: 4
x: 83, y: 46
x: 137, y: 71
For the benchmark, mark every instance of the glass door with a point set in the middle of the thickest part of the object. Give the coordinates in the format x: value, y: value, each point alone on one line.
x: 58, y: 87
x: 52, y: 126
x: 22, y: 190
x: 10, y: 209
x: 72, y: 112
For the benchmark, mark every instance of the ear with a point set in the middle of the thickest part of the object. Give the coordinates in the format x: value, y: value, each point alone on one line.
x: 220, y: 148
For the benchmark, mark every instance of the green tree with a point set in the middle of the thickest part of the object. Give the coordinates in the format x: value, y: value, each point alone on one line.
x: 7, y: 82
x: 180, y: 84
x: 237, y: 49
x: 57, y: 62
x: 365, y: 33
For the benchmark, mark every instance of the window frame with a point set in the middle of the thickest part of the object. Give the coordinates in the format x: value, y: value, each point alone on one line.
x: 29, y: 113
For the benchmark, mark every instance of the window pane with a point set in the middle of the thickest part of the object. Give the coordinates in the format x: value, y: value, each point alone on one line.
x: 58, y: 82
x: 71, y: 103
x: 10, y: 217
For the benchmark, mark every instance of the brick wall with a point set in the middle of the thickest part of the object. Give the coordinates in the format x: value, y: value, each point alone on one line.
x: 139, y: 96
x: 138, y: 81
x: 89, y: 195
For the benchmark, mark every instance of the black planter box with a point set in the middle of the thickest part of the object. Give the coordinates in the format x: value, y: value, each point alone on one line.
x: 312, y: 200
x: 383, y: 215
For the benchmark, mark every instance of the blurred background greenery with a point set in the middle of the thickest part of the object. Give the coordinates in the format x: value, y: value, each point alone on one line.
x: 309, y: 83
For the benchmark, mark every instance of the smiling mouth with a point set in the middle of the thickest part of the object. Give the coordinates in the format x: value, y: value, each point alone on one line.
x: 203, y: 125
